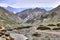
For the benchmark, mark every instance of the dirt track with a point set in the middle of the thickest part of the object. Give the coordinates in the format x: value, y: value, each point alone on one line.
x: 48, y: 31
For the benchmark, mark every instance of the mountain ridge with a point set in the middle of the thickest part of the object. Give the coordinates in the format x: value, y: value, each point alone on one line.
x: 8, y: 18
x: 33, y: 15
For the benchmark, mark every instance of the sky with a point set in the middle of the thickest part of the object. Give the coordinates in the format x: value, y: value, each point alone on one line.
x: 29, y: 3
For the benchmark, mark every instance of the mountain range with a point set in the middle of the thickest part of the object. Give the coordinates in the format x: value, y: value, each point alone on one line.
x: 35, y: 15
x: 14, y: 10
x: 29, y: 14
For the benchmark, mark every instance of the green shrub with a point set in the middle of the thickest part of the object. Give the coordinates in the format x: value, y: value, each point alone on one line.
x: 9, y: 29
x: 43, y: 28
x: 56, y: 28
x: 51, y: 25
x: 58, y: 24
x: 24, y: 27
x: 36, y: 35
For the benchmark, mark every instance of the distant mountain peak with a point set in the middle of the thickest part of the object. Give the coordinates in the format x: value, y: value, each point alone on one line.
x: 39, y: 9
x: 15, y: 10
x: 3, y: 9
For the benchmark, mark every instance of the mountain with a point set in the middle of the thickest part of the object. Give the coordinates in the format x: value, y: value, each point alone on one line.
x: 56, y: 14
x: 27, y: 12
x: 40, y: 15
x: 57, y: 9
x: 51, y: 17
x: 30, y: 16
x: 8, y: 18
x: 48, y: 8
x: 15, y: 10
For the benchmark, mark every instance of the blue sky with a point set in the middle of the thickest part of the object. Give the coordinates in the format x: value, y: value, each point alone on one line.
x: 29, y: 3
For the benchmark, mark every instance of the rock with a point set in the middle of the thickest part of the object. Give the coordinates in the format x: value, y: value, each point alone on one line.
x: 29, y: 37
x: 18, y: 36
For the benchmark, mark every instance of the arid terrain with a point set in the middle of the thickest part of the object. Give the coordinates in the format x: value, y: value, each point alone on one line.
x: 31, y: 24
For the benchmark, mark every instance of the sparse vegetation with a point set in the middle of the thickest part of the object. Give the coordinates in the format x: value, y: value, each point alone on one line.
x: 58, y: 25
x: 24, y: 27
x: 36, y: 35
x: 51, y: 25
x: 43, y: 28
x: 9, y: 29
x: 56, y: 28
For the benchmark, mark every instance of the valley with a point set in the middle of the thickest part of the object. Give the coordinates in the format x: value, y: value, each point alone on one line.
x: 31, y: 24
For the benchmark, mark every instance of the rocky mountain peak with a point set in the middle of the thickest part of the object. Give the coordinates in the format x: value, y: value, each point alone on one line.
x: 27, y: 12
x: 39, y: 9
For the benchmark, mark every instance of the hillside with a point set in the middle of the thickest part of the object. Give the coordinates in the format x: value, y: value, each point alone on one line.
x: 49, y: 17
x: 8, y: 19
x: 29, y: 14
x: 53, y: 16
